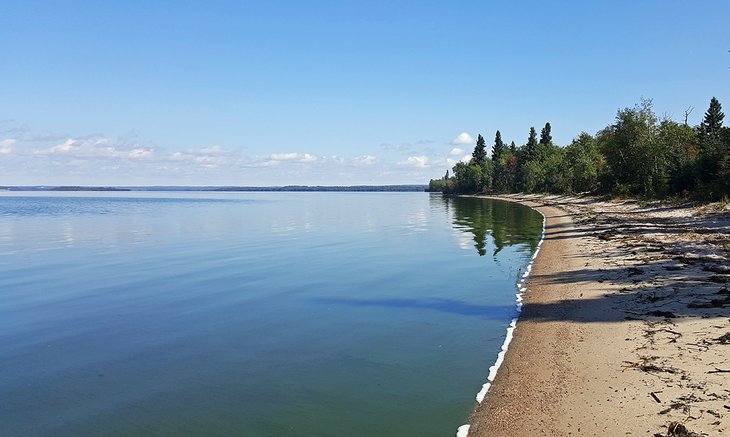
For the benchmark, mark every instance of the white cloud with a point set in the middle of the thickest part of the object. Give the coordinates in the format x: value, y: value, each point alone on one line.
x: 127, y: 160
x: 415, y: 161
x: 140, y: 153
x: 95, y: 147
x: 463, y: 139
x: 292, y: 157
x: 365, y: 160
x: 396, y: 147
x: 211, y: 156
x: 212, y: 150
x: 6, y: 146
x: 456, y: 152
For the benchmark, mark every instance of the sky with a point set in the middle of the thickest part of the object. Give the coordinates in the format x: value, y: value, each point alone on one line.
x: 330, y: 92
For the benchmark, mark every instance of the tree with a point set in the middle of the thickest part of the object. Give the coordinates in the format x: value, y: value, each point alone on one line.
x: 584, y: 164
x: 638, y: 162
x: 679, y: 142
x: 479, y: 156
x: 639, y: 154
x: 545, y: 137
x: 498, y: 148
x: 467, y: 177
x: 498, y: 152
x: 444, y: 185
x: 556, y: 179
x: 711, y: 142
x: 723, y: 166
x: 530, y: 149
x: 713, y: 117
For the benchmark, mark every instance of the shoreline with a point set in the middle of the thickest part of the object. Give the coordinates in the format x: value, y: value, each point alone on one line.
x: 606, y: 343
x: 521, y: 289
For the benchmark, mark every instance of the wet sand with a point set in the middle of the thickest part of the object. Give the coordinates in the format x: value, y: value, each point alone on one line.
x: 625, y: 328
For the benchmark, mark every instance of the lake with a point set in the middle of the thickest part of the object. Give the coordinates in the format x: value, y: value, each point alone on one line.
x: 252, y: 314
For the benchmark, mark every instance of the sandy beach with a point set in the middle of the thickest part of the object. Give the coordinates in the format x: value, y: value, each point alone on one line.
x: 625, y: 328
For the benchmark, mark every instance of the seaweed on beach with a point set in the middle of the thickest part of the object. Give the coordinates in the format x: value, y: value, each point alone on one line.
x: 677, y: 429
x: 724, y: 339
x: 654, y: 368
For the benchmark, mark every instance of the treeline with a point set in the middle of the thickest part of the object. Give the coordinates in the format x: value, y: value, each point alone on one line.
x: 638, y: 155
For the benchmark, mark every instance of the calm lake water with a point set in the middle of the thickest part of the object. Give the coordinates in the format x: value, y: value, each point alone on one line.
x: 252, y: 314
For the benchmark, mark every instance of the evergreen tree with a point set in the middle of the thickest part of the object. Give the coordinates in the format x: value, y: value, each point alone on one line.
x: 513, y: 148
x: 447, y: 176
x: 712, y: 150
x: 479, y: 156
x: 545, y: 137
x: 709, y: 131
x: 498, y: 149
x: 713, y: 118
x: 531, y: 146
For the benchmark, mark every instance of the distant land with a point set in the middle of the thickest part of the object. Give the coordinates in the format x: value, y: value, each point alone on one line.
x: 360, y: 188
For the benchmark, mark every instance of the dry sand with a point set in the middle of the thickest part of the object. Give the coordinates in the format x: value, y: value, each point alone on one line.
x: 625, y: 329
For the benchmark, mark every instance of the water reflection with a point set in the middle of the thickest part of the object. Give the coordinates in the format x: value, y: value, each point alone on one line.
x: 492, y: 222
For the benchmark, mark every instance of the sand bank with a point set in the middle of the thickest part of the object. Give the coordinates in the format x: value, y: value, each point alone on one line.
x: 625, y: 328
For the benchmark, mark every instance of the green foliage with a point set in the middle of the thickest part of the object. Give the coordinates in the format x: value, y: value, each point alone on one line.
x: 713, y: 118
x: 712, y: 149
x: 545, y: 136
x: 479, y: 156
x: 505, y: 173
x: 637, y: 155
x: 443, y: 185
x: 680, y: 141
x: 533, y: 176
x: 468, y: 178
x: 723, y: 171
x: 583, y: 164
x: 499, y: 148
x: 544, y: 173
x: 529, y: 151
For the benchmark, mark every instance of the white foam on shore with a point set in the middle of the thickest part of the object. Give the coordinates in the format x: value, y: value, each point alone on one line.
x: 463, y: 431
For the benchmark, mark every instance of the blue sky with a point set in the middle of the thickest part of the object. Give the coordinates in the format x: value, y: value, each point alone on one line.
x: 330, y: 92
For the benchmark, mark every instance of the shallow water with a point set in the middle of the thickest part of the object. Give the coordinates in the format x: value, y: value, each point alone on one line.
x: 256, y: 314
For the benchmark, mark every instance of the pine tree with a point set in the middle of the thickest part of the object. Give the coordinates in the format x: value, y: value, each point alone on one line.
x: 446, y: 178
x: 498, y: 148
x: 714, y: 116
x: 712, y: 124
x: 479, y: 156
x: 531, y: 146
x: 513, y: 148
x: 710, y: 142
x: 545, y: 137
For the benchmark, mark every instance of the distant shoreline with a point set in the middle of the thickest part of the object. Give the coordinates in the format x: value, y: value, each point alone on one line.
x: 286, y: 188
